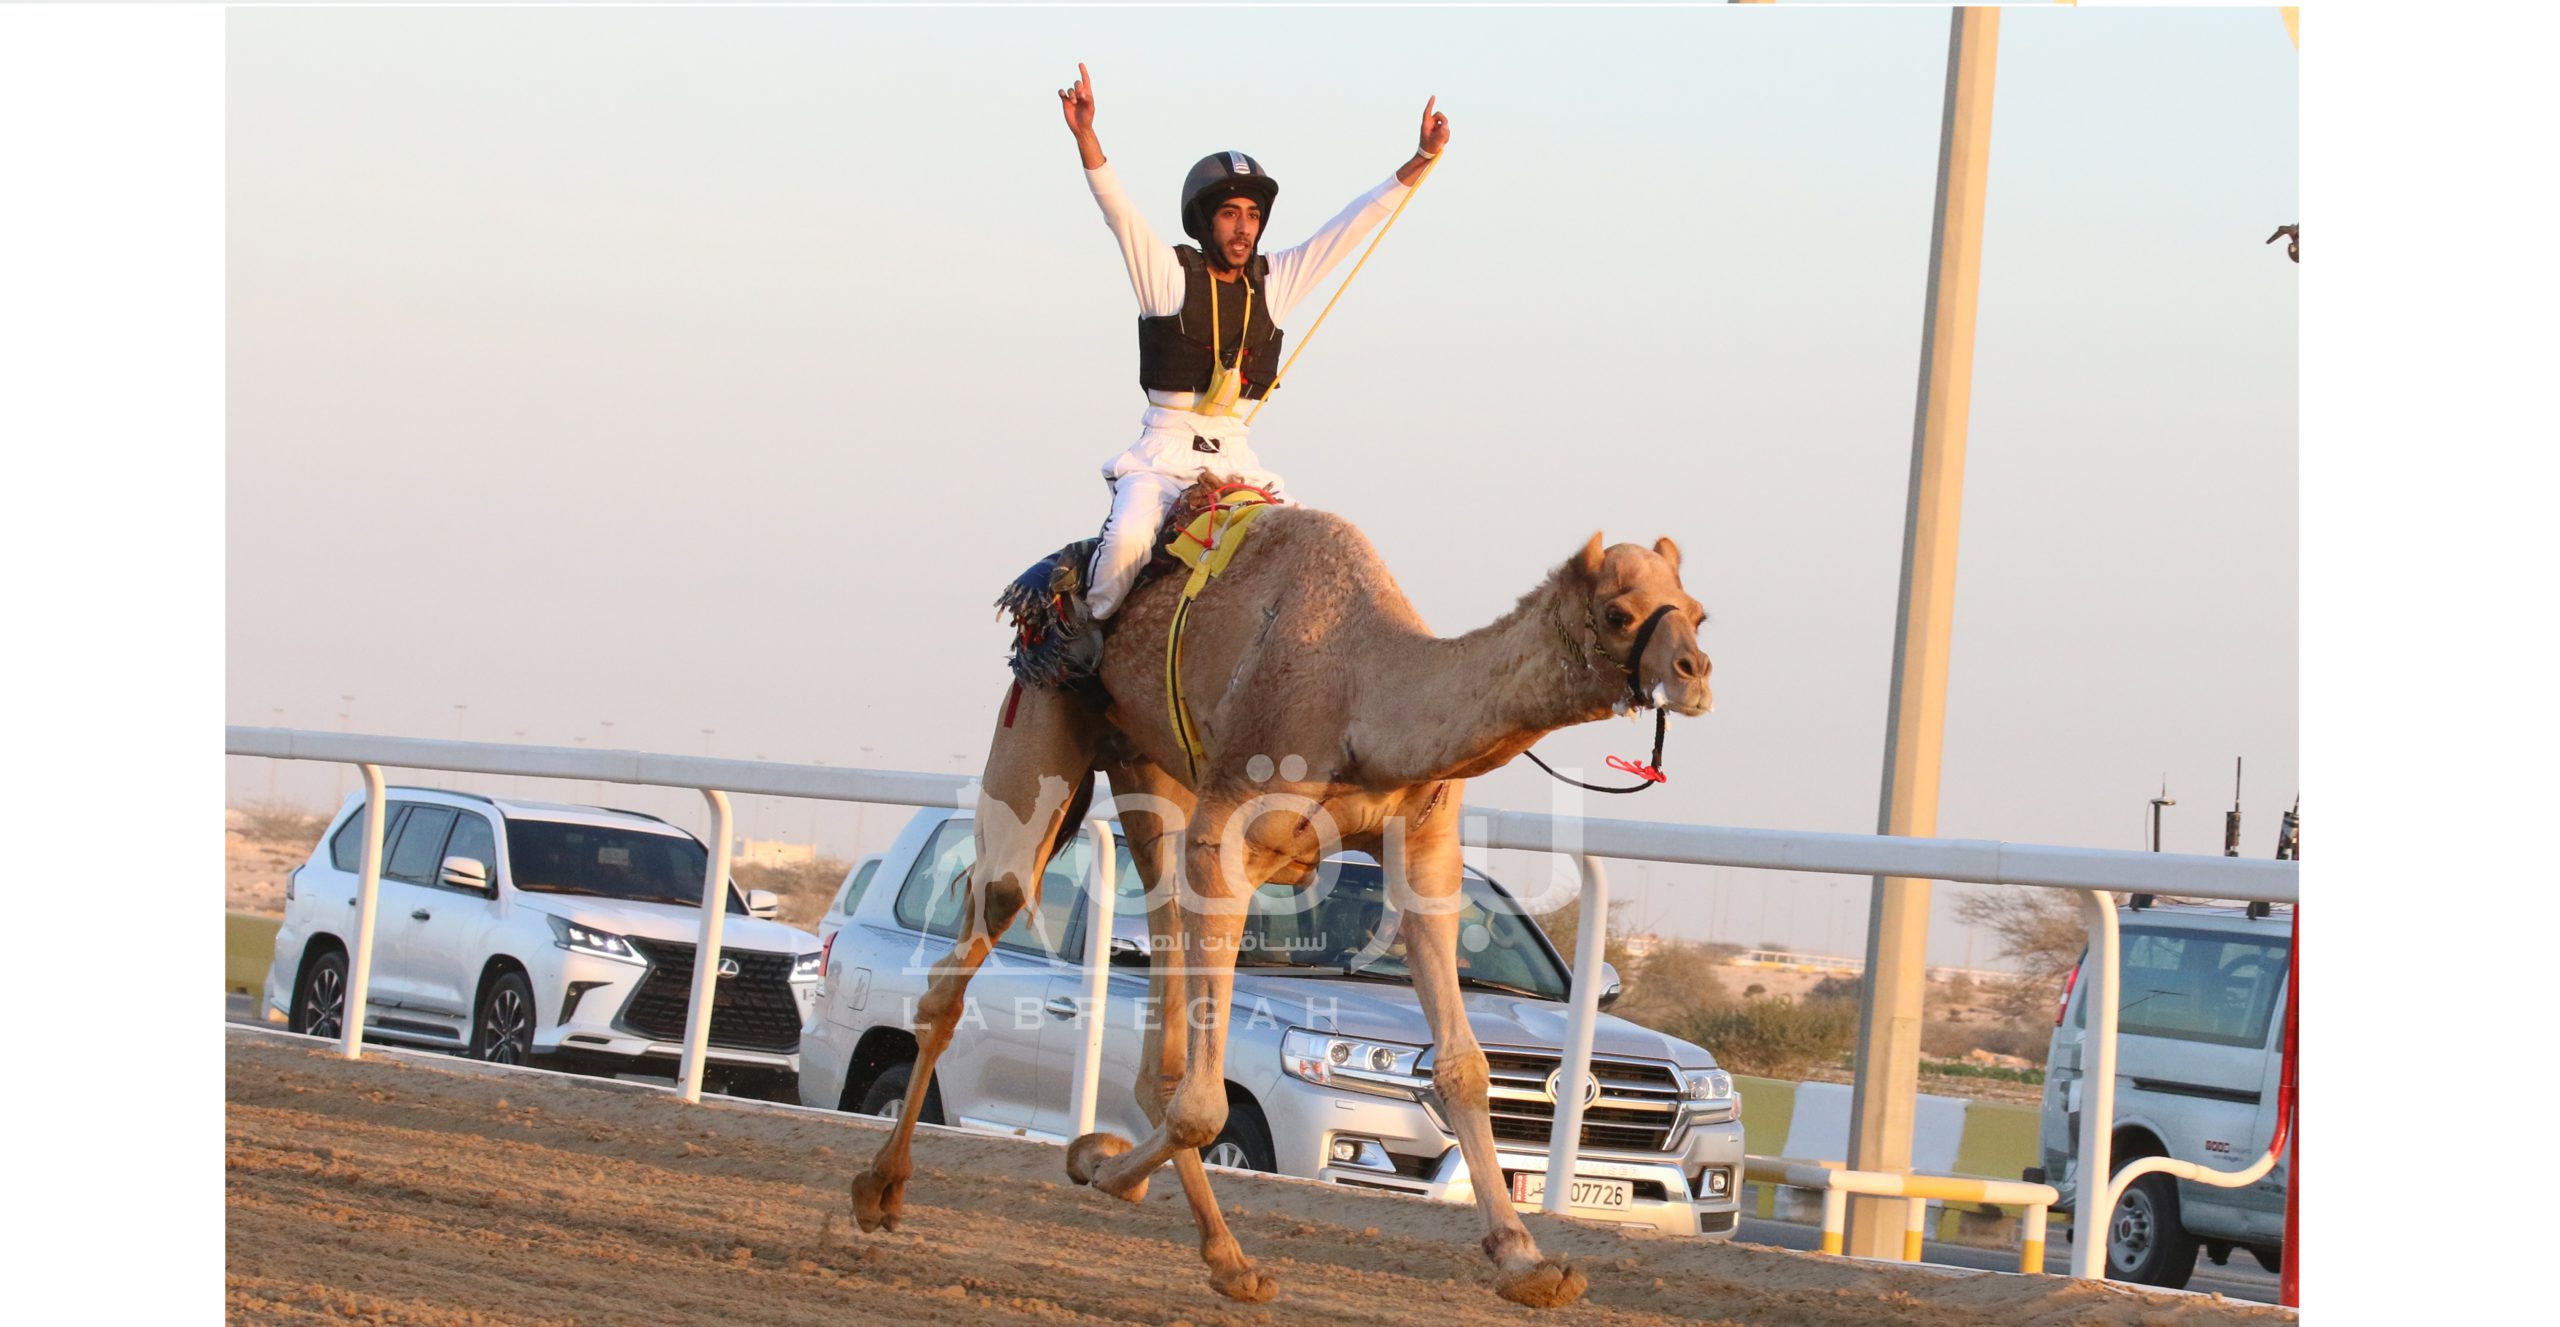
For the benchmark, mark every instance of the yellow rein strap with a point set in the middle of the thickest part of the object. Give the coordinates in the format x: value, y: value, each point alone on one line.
x: 1388, y: 225
x: 1208, y: 545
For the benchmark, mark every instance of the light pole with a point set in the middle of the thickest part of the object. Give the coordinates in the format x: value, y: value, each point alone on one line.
x: 459, y: 709
x: 278, y: 711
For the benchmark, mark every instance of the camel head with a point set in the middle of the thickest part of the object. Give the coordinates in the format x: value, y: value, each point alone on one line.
x: 1624, y: 585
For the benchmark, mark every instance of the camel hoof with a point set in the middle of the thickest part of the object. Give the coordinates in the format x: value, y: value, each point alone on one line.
x: 1085, y: 1157
x: 1547, y: 1284
x: 1245, y: 1285
x: 876, y: 1203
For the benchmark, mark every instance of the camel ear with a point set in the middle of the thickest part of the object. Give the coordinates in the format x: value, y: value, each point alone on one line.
x: 1588, y: 560
x: 1670, y: 551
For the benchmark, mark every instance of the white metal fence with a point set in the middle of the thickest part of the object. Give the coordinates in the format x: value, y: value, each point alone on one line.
x: 2090, y: 871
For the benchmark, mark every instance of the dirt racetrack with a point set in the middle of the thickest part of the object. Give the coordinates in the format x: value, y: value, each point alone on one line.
x: 418, y: 1190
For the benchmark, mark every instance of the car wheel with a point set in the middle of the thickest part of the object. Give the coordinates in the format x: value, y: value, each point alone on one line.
x: 320, y: 999
x: 2146, y: 1244
x: 1245, y: 1142
x: 502, y: 1033
x: 887, y: 1097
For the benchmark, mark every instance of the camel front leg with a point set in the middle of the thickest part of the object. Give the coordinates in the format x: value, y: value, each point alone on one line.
x: 1034, y: 765
x: 1424, y: 869
x: 1196, y: 1108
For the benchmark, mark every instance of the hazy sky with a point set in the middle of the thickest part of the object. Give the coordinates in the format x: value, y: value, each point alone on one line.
x: 712, y: 369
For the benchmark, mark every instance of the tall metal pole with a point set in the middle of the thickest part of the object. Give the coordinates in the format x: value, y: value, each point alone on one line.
x: 1889, y: 1011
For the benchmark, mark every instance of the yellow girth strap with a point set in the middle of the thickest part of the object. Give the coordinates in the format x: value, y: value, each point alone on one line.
x: 1207, y: 545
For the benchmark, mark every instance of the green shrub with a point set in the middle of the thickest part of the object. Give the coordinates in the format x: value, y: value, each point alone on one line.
x: 1999, y: 1073
x: 1774, y: 1038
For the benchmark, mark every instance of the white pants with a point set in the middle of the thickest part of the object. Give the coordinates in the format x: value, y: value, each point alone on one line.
x: 1145, y: 480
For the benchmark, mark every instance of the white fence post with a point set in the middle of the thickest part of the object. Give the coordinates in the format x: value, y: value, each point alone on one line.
x: 1099, y: 906
x: 2097, y: 1090
x: 368, y: 891
x: 706, y: 953
x: 1564, y: 1139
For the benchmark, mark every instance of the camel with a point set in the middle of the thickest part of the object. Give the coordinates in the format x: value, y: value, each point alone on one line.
x: 1308, y: 674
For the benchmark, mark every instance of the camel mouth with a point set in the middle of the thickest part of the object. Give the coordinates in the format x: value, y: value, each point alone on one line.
x: 1689, y: 702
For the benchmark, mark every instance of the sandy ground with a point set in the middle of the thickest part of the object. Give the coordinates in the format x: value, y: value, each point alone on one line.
x: 408, y: 1190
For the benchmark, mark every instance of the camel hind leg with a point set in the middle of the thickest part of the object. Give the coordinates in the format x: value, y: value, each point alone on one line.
x: 1038, y: 772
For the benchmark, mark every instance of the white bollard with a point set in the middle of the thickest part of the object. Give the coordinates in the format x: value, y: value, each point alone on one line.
x: 1097, y: 969
x: 2097, y: 1092
x: 706, y: 950
x: 368, y: 892
x: 1564, y: 1139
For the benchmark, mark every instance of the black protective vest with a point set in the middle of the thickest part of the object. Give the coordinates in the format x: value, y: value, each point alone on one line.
x: 1173, y: 351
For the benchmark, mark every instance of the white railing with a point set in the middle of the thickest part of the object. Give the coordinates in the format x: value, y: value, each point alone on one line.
x: 2092, y: 871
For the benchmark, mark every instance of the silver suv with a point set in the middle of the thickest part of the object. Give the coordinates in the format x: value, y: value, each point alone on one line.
x: 1328, y: 1055
x: 523, y: 931
x: 2199, y: 1041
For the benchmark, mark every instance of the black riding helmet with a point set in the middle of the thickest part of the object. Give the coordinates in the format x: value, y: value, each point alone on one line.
x: 1219, y: 177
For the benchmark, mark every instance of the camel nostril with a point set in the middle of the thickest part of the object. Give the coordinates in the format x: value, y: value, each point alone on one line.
x: 1686, y: 666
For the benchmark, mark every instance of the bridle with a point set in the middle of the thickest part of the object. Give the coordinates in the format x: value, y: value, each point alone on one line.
x: 1649, y: 772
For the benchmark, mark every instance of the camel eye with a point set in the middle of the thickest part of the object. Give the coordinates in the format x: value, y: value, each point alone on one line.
x: 1620, y: 619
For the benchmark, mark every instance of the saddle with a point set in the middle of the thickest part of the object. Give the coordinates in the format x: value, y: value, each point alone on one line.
x: 1057, y: 644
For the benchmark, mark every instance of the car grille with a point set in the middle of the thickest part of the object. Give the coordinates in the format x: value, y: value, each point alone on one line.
x: 1638, y: 1108
x: 751, y: 1011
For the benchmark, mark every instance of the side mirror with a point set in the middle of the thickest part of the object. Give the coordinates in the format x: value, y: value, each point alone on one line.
x: 467, y: 873
x: 763, y: 903
x: 1610, y: 987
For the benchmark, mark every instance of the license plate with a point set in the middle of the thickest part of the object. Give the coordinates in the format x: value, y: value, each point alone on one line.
x: 1529, y: 1188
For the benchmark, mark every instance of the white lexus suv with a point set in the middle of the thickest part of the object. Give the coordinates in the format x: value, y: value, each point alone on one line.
x: 528, y: 932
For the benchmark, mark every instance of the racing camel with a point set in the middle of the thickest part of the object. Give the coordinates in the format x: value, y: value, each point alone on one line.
x: 1307, y: 674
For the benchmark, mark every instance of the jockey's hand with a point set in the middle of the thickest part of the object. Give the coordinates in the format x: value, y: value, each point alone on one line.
x: 1076, y: 103
x: 1435, y: 129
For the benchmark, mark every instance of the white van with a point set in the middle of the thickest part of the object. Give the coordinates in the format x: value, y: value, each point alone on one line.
x: 2199, y: 1043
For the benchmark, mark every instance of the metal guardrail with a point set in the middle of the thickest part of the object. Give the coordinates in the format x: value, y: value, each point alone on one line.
x: 2089, y: 871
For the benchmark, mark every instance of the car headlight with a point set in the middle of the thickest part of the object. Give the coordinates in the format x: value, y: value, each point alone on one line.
x: 588, y: 940
x: 809, y: 966
x: 1352, y: 1063
x: 1708, y: 1090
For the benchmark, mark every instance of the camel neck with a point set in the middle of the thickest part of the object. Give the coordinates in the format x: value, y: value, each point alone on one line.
x: 1465, y: 704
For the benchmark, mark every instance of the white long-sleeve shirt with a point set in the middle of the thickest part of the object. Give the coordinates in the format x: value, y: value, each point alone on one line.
x: 1157, y: 277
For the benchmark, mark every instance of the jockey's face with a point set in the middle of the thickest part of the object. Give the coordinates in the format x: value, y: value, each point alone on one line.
x: 1233, y: 231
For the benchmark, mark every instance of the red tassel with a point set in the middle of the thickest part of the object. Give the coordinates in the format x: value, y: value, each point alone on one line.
x: 1639, y: 769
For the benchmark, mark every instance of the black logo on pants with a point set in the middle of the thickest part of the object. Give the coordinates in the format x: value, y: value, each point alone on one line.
x: 1201, y: 444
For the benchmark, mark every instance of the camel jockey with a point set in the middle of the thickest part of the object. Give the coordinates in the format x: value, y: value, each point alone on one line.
x: 1208, y: 326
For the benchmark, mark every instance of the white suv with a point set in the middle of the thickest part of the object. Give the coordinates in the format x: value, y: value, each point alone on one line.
x: 2199, y: 1052
x: 518, y: 931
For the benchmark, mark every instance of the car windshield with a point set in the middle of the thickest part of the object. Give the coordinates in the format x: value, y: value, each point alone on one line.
x: 553, y: 857
x: 1351, y: 928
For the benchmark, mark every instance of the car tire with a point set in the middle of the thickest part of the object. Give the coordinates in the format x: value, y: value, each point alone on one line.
x: 1245, y: 1142
x: 320, y: 997
x: 887, y: 1095
x: 502, y: 1027
x: 2146, y: 1242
